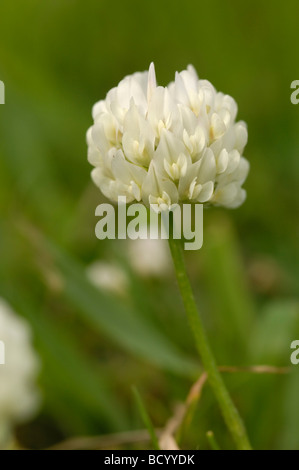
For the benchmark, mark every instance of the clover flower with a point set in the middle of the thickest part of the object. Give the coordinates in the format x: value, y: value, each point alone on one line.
x: 149, y: 257
x: 109, y: 277
x: 19, y: 397
x: 166, y: 145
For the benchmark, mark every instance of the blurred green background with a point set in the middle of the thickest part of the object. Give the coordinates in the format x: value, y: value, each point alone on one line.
x: 56, y: 59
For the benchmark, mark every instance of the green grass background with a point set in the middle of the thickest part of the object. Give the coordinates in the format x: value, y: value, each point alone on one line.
x: 57, y: 58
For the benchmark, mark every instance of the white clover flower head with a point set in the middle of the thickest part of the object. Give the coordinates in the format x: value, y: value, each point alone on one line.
x: 166, y: 145
x: 19, y: 396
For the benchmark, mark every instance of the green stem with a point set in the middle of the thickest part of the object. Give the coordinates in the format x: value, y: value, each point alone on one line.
x: 228, y: 409
x: 212, y: 441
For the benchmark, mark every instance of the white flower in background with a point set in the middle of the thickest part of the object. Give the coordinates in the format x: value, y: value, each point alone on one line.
x: 108, y: 276
x: 166, y: 145
x: 149, y: 257
x: 19, y: 396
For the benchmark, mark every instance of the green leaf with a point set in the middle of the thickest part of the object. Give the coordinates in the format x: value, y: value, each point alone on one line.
x: 107, y: 314
x: 146, y: 419
x: 276, y: 328
x: 231, y: 306
x: 274, y: 397
x: 110, y: 316
x: 212, y: 441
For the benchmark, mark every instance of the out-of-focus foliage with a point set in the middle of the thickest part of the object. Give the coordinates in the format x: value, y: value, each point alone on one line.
x: 56, y: 59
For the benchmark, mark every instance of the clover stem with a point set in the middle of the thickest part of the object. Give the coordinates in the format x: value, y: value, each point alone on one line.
x: 229, y: 411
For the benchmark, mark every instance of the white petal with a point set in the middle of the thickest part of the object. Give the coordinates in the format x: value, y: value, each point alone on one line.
x: 207, y: 169
x: 239, y: 175
x: 206, y: 192
x: 154, y: 184
x: 241, y: 136
x: 139, y: 139
x: 194, y: 189
x: 222, y: 161
x: 125, y: 171
x: 132, y: 87
x: 162, y: 111
x: 152, y: 82
x: 99, y: 108
x: 233, y: 161
x: 217, y: 128
x: 192, y: 72
x: 170, y: 146
x: 231, y: 195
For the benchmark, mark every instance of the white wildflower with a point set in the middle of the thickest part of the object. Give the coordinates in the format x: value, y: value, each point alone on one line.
x: 108, y: 276
x: 19, y: 397
x: 149, y: 257
x: 164, y: 145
